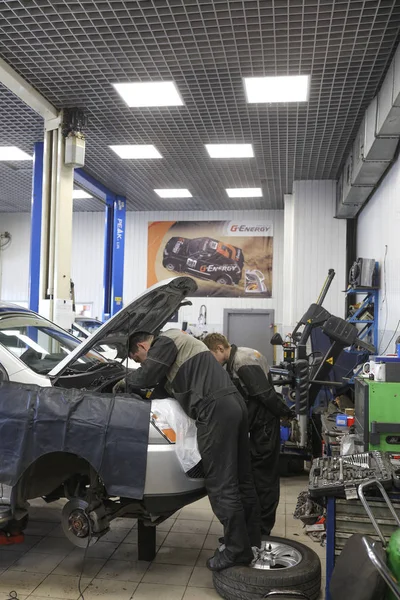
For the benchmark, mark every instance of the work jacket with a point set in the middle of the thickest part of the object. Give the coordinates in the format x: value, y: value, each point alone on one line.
x: 249, y: 371
x: 192, y: 373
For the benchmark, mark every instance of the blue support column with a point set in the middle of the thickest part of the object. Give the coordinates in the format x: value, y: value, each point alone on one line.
x: 114, y: 241
x: 330, y: 544
x: 108, y: 246
x: 118, y: 247
x: 36, y: 226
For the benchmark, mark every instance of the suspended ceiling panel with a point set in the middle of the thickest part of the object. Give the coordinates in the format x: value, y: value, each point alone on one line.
x: 72, y: 52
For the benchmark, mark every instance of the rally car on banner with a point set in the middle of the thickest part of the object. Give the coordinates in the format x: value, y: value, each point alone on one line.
x: 204, y: 258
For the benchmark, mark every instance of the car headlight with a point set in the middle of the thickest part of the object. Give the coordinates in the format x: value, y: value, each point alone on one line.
x: 163, y: 427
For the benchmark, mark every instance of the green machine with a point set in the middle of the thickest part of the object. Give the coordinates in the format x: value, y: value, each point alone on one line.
x: 377, y: 415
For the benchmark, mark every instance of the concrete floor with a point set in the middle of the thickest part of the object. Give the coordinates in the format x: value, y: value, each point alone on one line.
x: 47, y: 565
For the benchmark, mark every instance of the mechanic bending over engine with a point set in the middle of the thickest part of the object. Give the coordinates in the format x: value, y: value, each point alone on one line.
x: 249, y: 371
x: 205, y: 392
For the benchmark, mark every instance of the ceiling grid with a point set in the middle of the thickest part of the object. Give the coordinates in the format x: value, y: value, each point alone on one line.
x: 73, y: 51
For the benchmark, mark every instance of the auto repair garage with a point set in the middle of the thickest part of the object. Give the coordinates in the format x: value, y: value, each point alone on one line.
x: 199, y: 299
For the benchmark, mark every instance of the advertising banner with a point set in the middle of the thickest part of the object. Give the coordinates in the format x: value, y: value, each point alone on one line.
x: 228, y: 259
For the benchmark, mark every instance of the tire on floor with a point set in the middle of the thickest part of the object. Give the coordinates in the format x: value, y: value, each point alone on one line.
x: 246, y: 583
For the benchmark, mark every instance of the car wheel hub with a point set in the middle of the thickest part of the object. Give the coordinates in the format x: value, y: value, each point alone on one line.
x: 79, y: 523
x: 276, y: 555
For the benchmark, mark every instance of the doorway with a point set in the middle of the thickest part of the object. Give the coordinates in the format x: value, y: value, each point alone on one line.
x: 250, y: 328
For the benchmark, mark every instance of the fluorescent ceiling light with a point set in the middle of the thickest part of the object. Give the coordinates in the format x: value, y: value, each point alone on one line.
x: 13, y: 153
x: 137, y: 151
x: 230, y: 150
x: 291, y: 88
x: 80, y: 195
x: 151, y: 93
x: 244, y: 192
x: 178, y: 193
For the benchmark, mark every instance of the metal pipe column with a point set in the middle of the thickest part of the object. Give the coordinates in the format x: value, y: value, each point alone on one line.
x: 56, y: 244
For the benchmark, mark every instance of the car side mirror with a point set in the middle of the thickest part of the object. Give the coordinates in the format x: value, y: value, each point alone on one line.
x: 277, y: 340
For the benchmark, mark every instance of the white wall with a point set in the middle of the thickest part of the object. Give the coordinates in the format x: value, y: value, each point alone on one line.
x: 136, y: 261
x: 87, y: 258
x: 314, y: 242
x: 378, y: 227
x: 14, y: 260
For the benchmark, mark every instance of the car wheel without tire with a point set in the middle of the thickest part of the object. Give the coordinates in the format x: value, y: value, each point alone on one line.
x: 285, y: 565
x: 76, y: 523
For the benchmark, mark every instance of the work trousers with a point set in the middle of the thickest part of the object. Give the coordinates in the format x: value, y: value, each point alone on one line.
x: 265, y: 449
x: 223, y: 441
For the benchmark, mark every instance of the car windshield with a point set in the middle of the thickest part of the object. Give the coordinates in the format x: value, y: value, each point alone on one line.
x: 40, y: 344
x: 198, y: 245
x: 90, y: 326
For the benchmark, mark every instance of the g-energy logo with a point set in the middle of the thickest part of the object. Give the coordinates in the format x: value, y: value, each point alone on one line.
x: 249, y: 228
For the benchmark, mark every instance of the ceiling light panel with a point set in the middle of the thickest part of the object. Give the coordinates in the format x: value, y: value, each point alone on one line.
x: 244, y: 192
x: 80, y: 195
x: 137, y: 151
x: 13, y: 153
x: 151, y: 93
x: 230, y: 150
x: 170, y: 193
x: 291, y: 88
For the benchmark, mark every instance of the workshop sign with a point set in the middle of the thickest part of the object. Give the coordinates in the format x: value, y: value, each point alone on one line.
x: 228, y: 259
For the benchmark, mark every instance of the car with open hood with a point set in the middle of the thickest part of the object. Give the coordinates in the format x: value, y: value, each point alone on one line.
x: 36, y: 352
x: 204, y: 258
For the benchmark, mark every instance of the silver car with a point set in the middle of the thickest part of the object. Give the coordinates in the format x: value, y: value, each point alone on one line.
x: 34, y: 350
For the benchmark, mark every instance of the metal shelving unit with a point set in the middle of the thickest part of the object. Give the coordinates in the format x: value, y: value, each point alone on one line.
x: 369, y: 327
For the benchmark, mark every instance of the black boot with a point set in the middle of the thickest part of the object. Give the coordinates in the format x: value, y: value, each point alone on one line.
x: 219, y: 562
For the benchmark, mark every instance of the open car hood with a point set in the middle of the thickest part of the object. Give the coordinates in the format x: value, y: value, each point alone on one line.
x: 148, y: 312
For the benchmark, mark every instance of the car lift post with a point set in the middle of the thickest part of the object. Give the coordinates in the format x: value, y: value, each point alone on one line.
x: 36, y: 226
x: 146, y: 541
x: 114, y: 241
x: 114, y: 246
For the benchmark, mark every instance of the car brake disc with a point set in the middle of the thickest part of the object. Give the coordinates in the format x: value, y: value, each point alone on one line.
x: 77, y: 525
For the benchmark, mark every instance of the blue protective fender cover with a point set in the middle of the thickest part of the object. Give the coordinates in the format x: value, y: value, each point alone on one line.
x: 110, y: 432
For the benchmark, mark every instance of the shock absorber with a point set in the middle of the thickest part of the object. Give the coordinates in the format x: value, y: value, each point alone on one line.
x: 301, y: 372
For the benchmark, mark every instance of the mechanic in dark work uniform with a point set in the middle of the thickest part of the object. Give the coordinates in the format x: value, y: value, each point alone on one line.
x: 249, y: 371
x: 205, y: 392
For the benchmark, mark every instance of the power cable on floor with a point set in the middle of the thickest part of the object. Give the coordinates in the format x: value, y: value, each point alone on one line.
x: 81, y: 596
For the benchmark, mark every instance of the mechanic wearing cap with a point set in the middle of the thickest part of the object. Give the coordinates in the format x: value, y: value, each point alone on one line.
x: 249, y: 371
x: 205, y: 392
